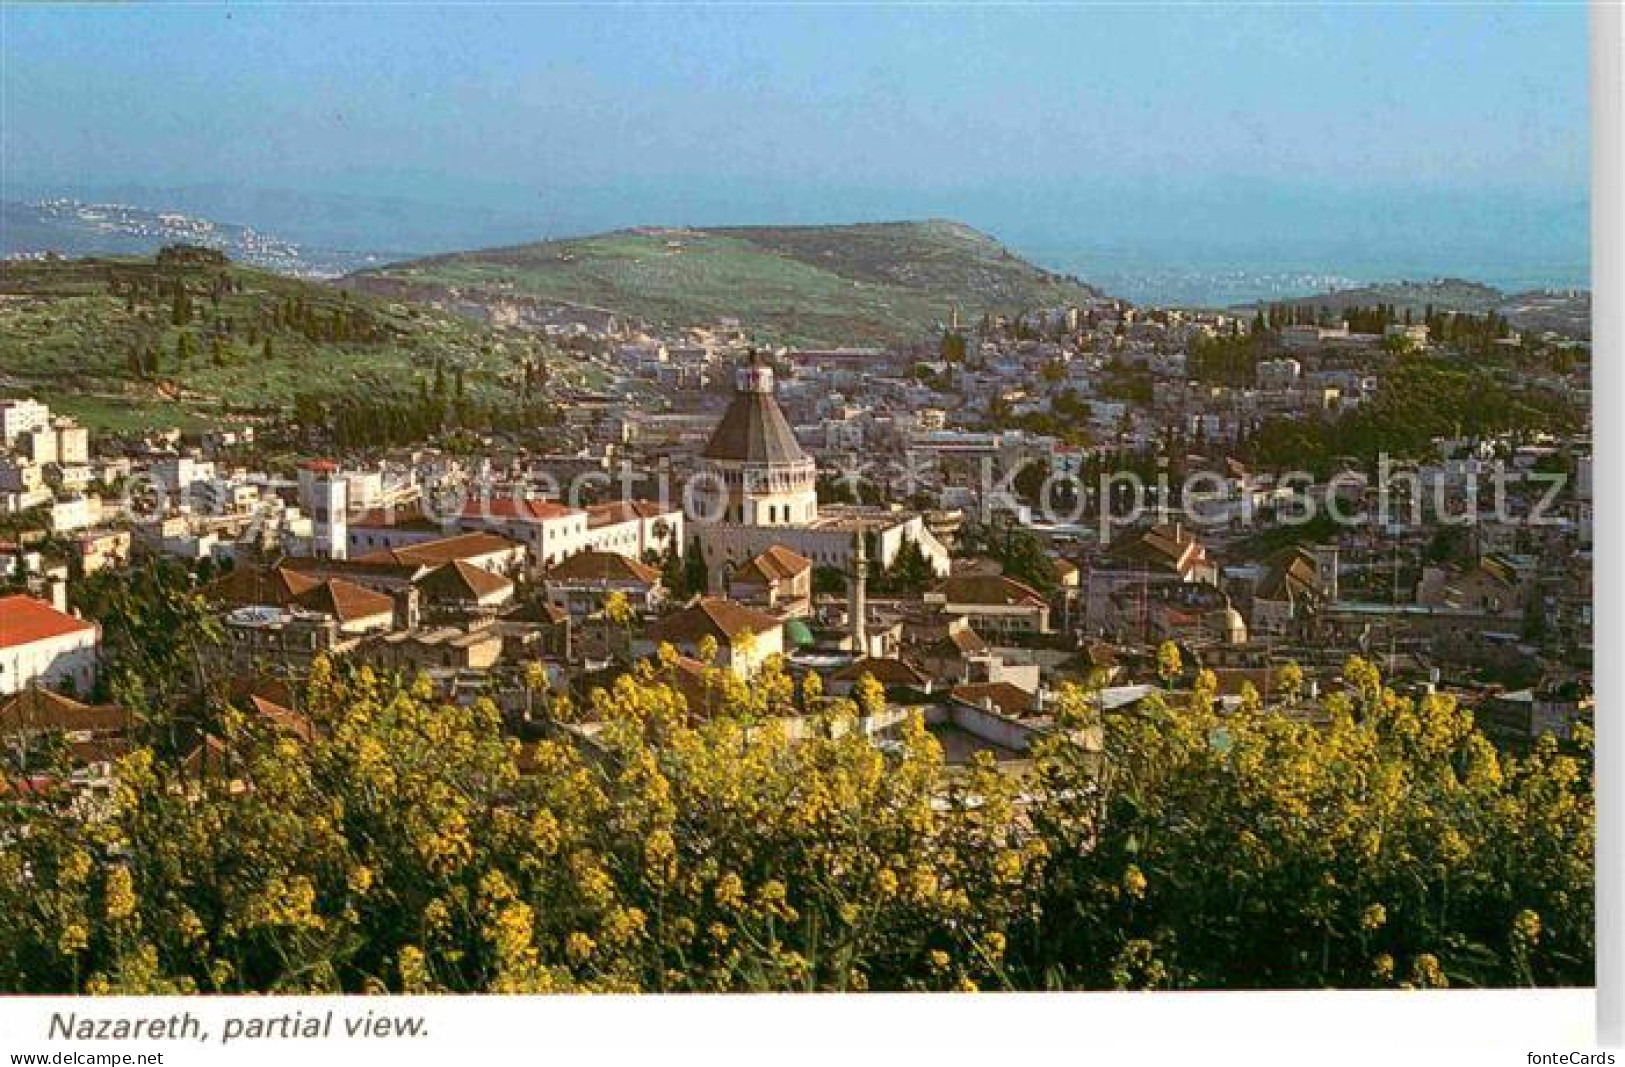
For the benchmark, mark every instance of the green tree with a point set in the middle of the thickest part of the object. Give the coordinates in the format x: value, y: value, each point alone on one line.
x: 910, y: 571
x: 694, y: 578
x: 1024, y: 559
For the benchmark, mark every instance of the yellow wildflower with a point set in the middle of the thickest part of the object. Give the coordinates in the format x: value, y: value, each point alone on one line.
x: 730, y: 891
x: 578, y: 946
x: 1526, y: 927
x: 73, y: 938
x: 120, y: 894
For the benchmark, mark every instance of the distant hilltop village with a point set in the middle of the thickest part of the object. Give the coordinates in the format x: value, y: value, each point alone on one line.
x: 61, y: 227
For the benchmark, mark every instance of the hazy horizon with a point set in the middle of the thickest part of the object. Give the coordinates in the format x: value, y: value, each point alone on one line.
x: 1137, y: 262
x: 1348, y: 143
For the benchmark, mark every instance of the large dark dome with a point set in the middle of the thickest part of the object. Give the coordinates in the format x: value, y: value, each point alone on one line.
x: 754, y: 430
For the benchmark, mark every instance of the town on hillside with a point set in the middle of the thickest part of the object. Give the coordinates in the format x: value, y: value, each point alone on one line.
x: 516, y: 501
x: 451, y: 640
x: 945, y: 518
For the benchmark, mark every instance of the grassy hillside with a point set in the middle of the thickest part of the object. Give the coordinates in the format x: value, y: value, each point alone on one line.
x: 860, y: 284
x: 138, y: 341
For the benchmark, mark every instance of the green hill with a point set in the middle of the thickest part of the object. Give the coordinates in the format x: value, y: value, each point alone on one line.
x: 182, y: 337
x: 860, y: 284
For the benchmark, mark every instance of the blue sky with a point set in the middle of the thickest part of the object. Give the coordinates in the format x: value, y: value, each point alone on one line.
x: 1025, y: 116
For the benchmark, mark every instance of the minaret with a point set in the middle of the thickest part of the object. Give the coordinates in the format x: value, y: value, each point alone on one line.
x: 859, y: 608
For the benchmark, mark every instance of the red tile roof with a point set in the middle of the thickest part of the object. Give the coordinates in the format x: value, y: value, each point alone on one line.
x: 212, y: 758
x: 405, y: 516
x: 24, y: 620
x: 1168, y: 547
x: 594, y: 566
x: 374, y: 574
x: 691, y: 679
x: 990, y: 590
x: 617, y: 511
x: 462, y: 581
x: 1263, y: 679
x: 957, y: 643
x: 1007, y: 699
x: 285, y: 719
x: 444, y: 550
x: 346, y: 601
x: 248, y: 585
x: 1292, y: 575
x: 775, y: 564
x: 889, y: 672
x: 36, y: 709
x: 529, y: 509
x: 273, y: 700
x: 712, y: 617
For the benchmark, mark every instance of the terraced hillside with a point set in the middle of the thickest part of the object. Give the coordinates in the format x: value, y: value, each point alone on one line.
x: 860, y: 284
x: 181, y: 337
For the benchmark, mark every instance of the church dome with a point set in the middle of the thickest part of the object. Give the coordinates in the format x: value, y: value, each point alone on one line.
x: 754, y: 430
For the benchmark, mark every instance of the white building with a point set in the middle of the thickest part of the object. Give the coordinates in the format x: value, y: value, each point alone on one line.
x: 38, y: 444
x: 75, y: 513
x: 324, y: 496
x: 1311, y: 336
x: 636, y: 529
x: 1413, y: 334
x: 178, y: 536
x: 827, y: 541
x: 365, y: 489
x: 391, y: 527
x: 1278, y: 373
x: 40, y: 645
x: 177, y: 475
x: 550, y: 531
x: 20, y: 416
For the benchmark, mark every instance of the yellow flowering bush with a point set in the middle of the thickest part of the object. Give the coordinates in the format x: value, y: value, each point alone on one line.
x: 1171, y: 845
